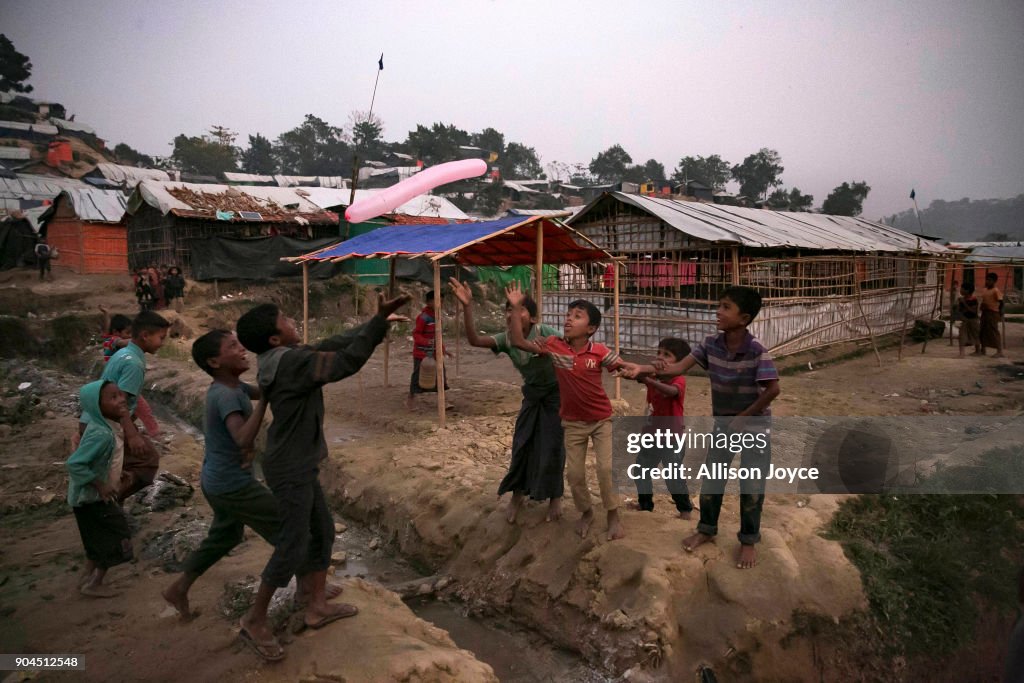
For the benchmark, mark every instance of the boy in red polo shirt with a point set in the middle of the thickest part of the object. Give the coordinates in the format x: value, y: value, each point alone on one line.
x: 585, y: 409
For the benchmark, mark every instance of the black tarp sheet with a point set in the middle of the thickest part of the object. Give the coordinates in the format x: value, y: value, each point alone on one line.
x: 224, y: 258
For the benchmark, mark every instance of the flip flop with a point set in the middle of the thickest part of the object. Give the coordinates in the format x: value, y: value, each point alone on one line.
x: 270, y: 650
x: 350, y: 611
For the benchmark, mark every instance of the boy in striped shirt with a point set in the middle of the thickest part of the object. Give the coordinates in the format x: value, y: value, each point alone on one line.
x: 744, y: 382
x: 585, y: 409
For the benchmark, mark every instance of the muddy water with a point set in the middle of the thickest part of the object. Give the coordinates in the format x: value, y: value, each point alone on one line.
x: 516, y: 654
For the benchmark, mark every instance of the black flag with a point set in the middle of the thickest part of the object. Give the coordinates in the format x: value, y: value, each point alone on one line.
x: 380, y: 62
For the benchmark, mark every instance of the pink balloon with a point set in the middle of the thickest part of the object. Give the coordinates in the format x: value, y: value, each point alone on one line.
x: 386, y: 200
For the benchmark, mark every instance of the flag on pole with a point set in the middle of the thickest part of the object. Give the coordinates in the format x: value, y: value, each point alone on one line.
x: 912, y: 193
x: 380, y: 62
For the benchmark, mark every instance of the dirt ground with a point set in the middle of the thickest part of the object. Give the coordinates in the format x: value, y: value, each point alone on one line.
x: 639, y: 606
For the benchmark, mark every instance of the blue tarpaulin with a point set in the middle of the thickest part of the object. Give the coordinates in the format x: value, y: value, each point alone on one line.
x: 506, y: 241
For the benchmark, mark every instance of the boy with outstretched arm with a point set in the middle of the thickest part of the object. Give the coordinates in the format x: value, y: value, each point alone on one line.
x: 744, y: 382
x: 584, y: 406
x: 117, y: 334
x: 291, y: 378
x: 94, y: 472
x: 538, y: 443
x: 665, y: 397
x: 127, y: 369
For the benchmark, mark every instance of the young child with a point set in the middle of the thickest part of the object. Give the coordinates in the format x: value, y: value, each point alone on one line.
x: 291, y: 378
x: 143, y: 291
x: 991, y: 314
x: 117, y: 335
x: 127, y: 369
x: 538, y: 443
x: 174, y: 288
x: 970, y: 329
x: 584, y: 406
x: 422, y: 346
x: 94, y: 471
x: 665, y: 396
x: 744, y: 382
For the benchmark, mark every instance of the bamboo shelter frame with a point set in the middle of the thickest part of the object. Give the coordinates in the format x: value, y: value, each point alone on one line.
x: 476, y: 251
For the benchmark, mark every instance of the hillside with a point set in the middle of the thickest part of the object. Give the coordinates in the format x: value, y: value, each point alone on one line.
x: 966, y: 220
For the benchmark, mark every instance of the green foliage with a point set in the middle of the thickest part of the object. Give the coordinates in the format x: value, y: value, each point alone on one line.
x: 491, y: 140
x: 259, y: 156
x: 930, y: 562
x: 437, y: 144
x: 488, y: 200
x: 127, y: 155
x: 713, y: 171
x: 211, y: 154
x: 367, y: 135
x: 610, y: 165
x: 314, y: 148
x: 758, y: 173
x: 846, y: 200
x: 798, y: 201
x: 966, y: 219
x: 15, y: 68
x: 520, y: 162
x: 779, y: 199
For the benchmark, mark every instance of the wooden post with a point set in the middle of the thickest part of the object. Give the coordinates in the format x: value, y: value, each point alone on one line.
x: 539, y: 285
x: 860, y: 307
x: 438, y: 353
x: 458, y: 327
x: 735, y: 265
x: 387, y: 339
x: 615, y: 303
x: 305, y: 302
x: 216, y: 291
x: 953, y: 293
x: 352, y: 194
x: 910, y: 303
x: 936, y: 305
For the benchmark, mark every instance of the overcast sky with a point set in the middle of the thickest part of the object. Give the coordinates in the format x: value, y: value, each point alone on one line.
x: 925, y: 95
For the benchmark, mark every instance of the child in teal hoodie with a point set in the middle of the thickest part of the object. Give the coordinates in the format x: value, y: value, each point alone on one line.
x: 94, y: 470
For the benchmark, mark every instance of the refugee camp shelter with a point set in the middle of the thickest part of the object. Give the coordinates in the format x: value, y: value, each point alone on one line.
x: 824, y: 279
x: 1005, y: 259
x: 86, y: 227
x: 28, y: 191
x: 508, y: 241
x: 167, y: 221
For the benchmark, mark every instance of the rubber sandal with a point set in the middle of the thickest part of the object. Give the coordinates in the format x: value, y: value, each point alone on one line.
x: 270, y: 650
x: 350, y: 611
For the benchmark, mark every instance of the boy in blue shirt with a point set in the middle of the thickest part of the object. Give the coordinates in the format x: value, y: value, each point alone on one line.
x: 94, y: 470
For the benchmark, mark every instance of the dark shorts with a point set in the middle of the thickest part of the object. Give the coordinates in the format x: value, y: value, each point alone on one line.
x: 306, y: 534
x: 105, y: 533
x: 414, y: 383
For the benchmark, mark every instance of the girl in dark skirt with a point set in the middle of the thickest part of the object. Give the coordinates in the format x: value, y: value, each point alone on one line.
x: 538, y: 444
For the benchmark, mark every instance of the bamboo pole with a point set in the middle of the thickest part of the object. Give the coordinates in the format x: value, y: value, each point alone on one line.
x: 305, y: 302
x: 438, y: 353
x: 860, y: 306
x: 539, y: 284
x: 735, y: 265
x: 458, y: 328
x: 387, y: 339
x: 906, y: 310
x: 936, y: 305
x: 615, y: 303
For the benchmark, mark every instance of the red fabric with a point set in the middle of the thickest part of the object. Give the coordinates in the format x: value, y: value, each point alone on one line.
x: 665, y: 406
x: 423, y: 333
x: 579, y: 379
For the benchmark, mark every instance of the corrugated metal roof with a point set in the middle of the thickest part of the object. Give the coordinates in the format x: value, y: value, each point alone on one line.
x: 72, y: 125
x: 37, y: 187
x: 423, y: 205
x: 993, y: 254
x: 15, y: 153
x: 551, y: 213
x: 95, y: 205
x: 276, y: 199
x: 765, y: 228
x: 967, y: 246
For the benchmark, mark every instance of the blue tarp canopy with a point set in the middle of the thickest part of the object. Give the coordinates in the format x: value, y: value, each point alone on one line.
x: 509, y: 241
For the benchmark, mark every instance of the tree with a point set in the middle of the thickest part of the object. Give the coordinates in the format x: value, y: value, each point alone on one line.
x: 521, y: 162
x: 437, y: 144
x: 259, y: 157
x: 367, y: 132
x: 15, y: 68
x: 758, y: 172
x: 488, y: 200
x: 779, y: 199
x: 713, y: 171
x: 846, y: 200
x: 798, y: 201
x: 654, y: 170
x: 610, y: 165
x: 491, y: 140
x: 127, y: 155
x: 314, y: 148
x: 211, y: 154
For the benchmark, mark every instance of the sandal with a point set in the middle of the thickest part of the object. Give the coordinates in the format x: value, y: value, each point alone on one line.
x: 270, y: 650
x: 346, y: 611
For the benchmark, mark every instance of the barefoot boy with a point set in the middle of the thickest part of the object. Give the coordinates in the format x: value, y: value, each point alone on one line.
x: 665, y: 395
x: 230, y: 426
x: 291, y: 378
x: 744, y: 382
x: 585, y: 409
x: 538, y: 443
x: 127, y: 369
x: 94, y: 470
